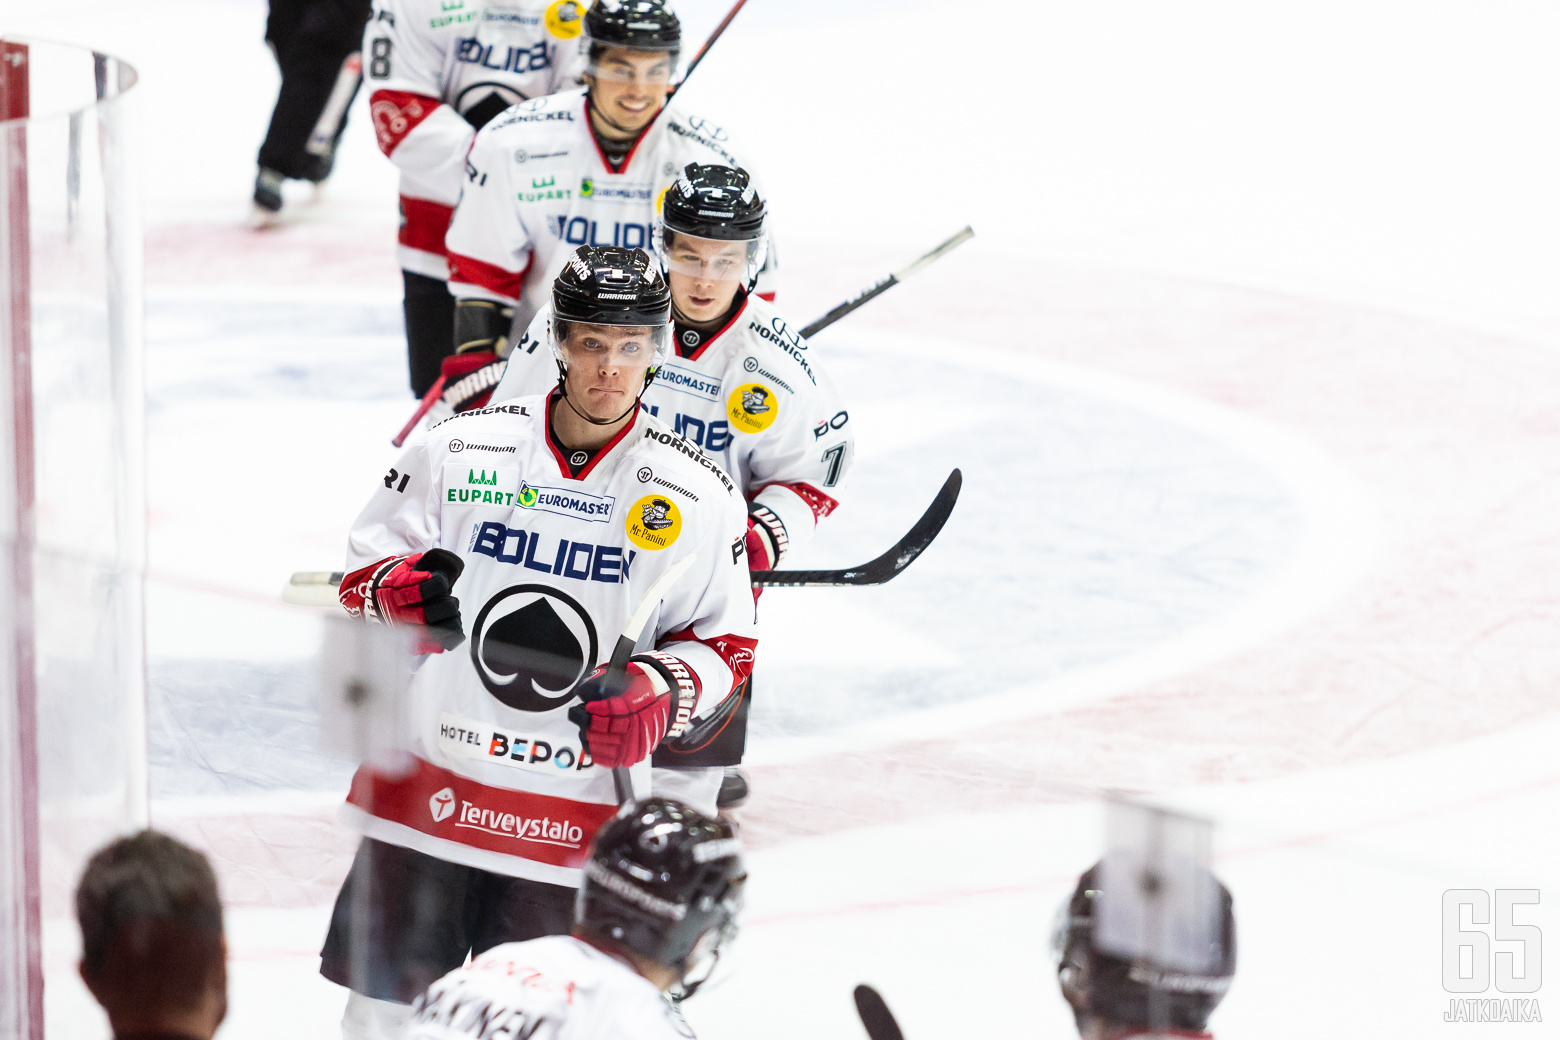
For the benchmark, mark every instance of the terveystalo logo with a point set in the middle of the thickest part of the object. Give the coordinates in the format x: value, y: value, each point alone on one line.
x: 752, y: 407
x: 653, y: 522
x: 442, y: 804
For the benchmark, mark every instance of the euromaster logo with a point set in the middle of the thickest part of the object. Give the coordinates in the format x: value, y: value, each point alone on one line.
x: 654, y: 522
x: 564, y: 502
x: 442, y: 805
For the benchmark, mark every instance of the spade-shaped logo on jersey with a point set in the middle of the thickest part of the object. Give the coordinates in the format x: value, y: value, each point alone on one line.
x: 530, y: 645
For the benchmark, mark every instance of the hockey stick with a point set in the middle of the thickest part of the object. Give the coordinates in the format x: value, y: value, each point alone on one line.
x: 888, y: 283
x: 423, y: 408
x: 719, y: 29
x: 319, y: 588
x: 617, y: 667
x: 875, y: 1016
x: 888, y: 565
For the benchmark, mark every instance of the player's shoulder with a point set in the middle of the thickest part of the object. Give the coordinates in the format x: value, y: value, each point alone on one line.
x: 557, y: 114
x: 773, y: 349
x: 701, y: 138
x: 495, y: 428
x: 668, y: 462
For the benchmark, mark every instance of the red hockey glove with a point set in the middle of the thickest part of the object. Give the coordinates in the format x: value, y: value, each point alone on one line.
x: 766, y: 542
x: 410, y: 590
x: 621, y: 728
x: 469, y: 379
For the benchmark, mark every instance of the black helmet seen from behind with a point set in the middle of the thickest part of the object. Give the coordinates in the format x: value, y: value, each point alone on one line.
x: 664, y: 881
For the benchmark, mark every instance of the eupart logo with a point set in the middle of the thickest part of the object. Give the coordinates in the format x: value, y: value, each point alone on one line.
x: 442, y: 805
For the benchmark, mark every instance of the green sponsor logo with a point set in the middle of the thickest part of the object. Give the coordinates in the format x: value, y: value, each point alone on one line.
x: 587, y: 188
x: 527, y: 496
x: 481, y: 477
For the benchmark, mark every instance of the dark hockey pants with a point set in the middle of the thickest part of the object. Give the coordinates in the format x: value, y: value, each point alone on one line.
x: 430, y: 328
x: 311, y: 39
x: 421, y: 916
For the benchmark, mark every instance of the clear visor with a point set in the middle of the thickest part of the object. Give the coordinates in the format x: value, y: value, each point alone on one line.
x: 622, y: 66
x: 710, y: 259
x: 609, y: 346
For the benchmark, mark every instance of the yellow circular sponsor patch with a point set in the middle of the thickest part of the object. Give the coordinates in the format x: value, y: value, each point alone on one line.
x: 653, y: 522
x: 752, y: 407
x: 566, y: 18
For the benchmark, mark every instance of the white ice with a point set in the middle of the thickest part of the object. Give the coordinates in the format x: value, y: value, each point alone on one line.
x: 1252, y: 374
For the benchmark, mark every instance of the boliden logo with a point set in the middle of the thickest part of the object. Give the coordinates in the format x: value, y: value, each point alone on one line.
x: 441, y: 805
x: 654, y: 522
x: 581, y: 560
x: 752, y: 407
x: 530, y: 645
x: 545, y: 830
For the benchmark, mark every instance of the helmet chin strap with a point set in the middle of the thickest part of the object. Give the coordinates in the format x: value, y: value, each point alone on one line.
x: 563, y: 389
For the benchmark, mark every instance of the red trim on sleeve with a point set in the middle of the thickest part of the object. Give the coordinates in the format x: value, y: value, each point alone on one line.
x: 491, y: 277
x: 601, y: 453
x: 821, y: 505
x: 538, y: 827
x: 767, y: 297
x: 396, y: 113
x: 736, y: 651
x: 423, y: 224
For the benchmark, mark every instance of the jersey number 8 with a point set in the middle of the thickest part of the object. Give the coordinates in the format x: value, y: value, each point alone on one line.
x: 379, y: 54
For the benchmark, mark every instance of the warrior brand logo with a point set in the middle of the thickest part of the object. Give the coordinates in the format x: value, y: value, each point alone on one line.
x: 523, y: 156
x: 693, y: 453
x: 644, y: 474
x: 580, y: 506
x: 530, y: 645
x: 690, y: 337
x: 442, y: 805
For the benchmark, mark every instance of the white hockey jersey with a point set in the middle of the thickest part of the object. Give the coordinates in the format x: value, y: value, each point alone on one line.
x: 435, y: 69
x: 556, y: 988
x: 752, y: 394
x: 554, y: 565
x: 538, y: 187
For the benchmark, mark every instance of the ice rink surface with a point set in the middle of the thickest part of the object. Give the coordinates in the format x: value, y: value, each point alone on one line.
x: 1253, y: 375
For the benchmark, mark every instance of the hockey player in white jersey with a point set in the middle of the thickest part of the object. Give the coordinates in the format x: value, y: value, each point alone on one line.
x: 550, y: 517
x: 660, y: 897
x: 575, y: 168
x: 439, y: 70
x: 1116, y: 998
x: 741, y: 384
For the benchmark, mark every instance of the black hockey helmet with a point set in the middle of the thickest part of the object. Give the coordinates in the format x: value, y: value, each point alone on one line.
x: 609, y: 285
x: 714, y: 201
x: 1118, y: 990
x: 705, y: 210
x: 664, y: 881
x: 640, y: 25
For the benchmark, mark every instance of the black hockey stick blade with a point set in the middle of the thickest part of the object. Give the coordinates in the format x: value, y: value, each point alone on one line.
x: 867, y: 295
x: 875, y: 1016
x: 890, y: 563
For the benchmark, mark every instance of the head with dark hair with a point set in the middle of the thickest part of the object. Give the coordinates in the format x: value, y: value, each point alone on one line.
x: 152, y: 948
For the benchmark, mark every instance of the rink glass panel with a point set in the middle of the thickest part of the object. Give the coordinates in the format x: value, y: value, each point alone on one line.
x: 72, y: 496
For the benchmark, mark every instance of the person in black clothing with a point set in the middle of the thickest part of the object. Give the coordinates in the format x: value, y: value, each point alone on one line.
x: 152, y: 947
x: 317, y: 45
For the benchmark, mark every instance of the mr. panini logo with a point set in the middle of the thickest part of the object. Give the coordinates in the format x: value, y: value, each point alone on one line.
x: 782, y: 336
x: 752, y: 407
x: 579, y: 506
x: 479, y: 740
x: 673, y: 441
x: 654, y: 522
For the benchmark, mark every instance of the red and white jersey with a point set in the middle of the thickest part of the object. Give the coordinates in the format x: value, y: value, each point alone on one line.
x: 439, y: 68
x: 752, y: 394
x: 554, y: 565
x: 538, y: 187
x: 556, y: 988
